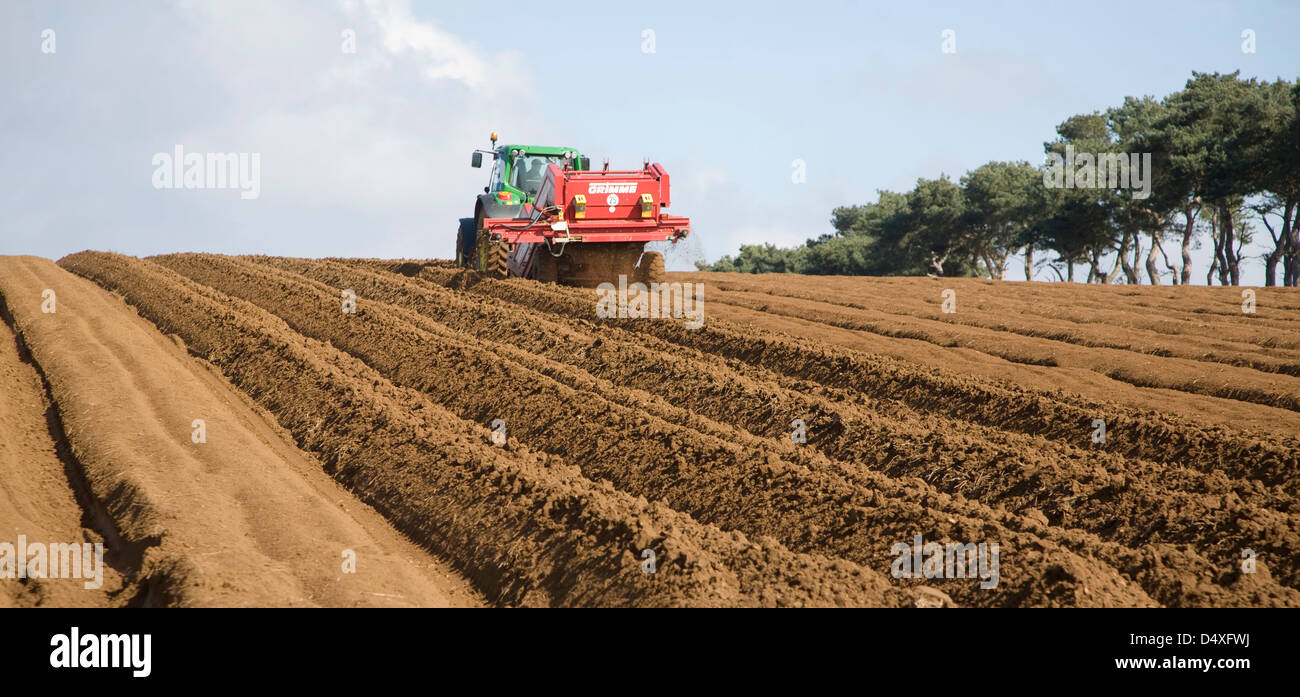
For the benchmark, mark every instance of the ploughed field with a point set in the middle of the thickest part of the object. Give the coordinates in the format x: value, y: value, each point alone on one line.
x: 476, y: 441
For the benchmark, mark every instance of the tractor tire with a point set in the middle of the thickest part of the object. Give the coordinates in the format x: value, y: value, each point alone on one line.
x: 493, y: 256
x: 465, y: 236
x: 464, y: 250
x: 500, y: 260
x: 651, y: 268
x: 490, y: 256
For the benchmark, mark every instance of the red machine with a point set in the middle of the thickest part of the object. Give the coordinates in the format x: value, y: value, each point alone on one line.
x: 588, y: 227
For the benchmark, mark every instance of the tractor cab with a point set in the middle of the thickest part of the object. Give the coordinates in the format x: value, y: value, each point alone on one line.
x: 518, y: 170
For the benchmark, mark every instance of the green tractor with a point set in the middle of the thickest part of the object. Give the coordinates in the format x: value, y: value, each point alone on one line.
x: 547, y: 216
x: 517, y: 174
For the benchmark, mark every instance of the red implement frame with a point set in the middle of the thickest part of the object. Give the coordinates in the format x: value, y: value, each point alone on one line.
x: 620, y: 206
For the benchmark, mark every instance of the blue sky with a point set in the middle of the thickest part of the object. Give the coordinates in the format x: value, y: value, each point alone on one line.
x: 366, y: 153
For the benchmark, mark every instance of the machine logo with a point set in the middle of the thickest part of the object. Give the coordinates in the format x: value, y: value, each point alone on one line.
x: 612, y: 188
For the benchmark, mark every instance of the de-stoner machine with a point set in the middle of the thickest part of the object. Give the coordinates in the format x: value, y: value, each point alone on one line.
x: 546, y: 215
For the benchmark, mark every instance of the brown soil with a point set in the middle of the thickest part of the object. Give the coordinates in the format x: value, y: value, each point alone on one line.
x: 242, y: 519
x: 527, y: 528
x: 626, y: 435
x: 38, y: 493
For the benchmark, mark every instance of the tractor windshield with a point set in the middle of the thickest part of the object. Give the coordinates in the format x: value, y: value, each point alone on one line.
x: 527, y: 170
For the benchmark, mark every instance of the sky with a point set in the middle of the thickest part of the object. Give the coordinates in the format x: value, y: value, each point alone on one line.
x: 365, y: 152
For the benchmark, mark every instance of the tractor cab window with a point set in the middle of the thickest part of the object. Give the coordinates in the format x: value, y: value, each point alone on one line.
x: 528, y: 171
x: 498, y: 173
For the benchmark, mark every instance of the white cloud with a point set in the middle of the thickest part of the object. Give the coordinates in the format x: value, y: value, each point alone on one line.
x: 379, y: 138
x: 444, y: 55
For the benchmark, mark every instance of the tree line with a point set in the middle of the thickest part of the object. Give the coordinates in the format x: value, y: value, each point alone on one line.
x: 1223, y: 167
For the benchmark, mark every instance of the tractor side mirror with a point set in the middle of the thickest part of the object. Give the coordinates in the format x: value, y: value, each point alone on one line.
x: 476, y: 160
x: 584, y: 163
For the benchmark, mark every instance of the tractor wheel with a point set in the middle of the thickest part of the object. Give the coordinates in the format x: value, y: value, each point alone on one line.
x: 651, y: 268
x: 464, y: 250
x: 465, y: 235
x: 500, y: 260
x: 490, y: 255
x: 492, y: 258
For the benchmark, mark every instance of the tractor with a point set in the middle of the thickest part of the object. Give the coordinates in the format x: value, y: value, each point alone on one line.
x: 546, y: 215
